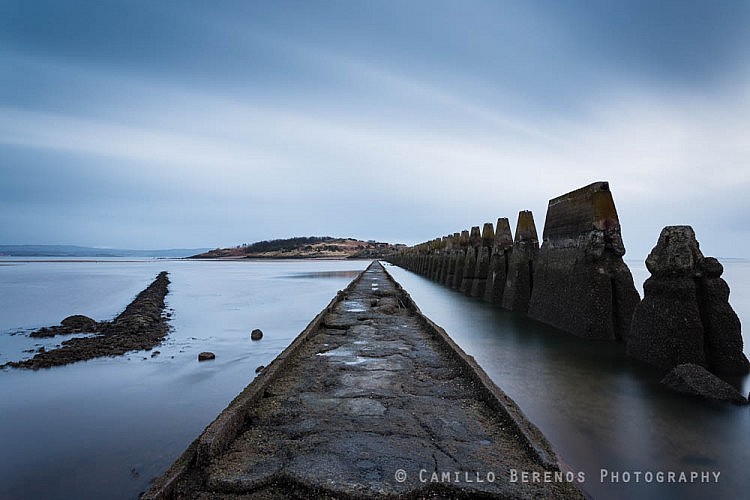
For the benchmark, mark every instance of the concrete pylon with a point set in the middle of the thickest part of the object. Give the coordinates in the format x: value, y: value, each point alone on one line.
x: 685, y: 316
x: 499, y: 262
x: 483, y: 261
x: 470, y: 264
x: 461, y: 259
x: 581, y: 283
x: 520, y: 280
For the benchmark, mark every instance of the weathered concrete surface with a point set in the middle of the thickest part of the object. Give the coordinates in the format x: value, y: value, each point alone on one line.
x: 685, y: 316
x: 483, y: 261
x: 141, y: 326
x: 499, y: 262
x: 520, y: 280
x: 722, y: 328
x: 470, y: 264
x: 460, y: 262
x: 696, y: 380
x: 581, y: 283
x: 370, y: 390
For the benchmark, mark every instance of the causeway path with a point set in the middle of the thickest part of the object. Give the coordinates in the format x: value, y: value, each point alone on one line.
x: 371, y: 400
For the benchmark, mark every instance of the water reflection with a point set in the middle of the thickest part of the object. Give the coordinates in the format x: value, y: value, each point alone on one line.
x: 323, y: 274
x: 105, y: 427
x: 600, y: 409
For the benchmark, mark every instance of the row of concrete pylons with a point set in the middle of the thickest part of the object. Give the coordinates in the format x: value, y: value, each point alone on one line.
x: 478, y: 263
x: 578, y: 282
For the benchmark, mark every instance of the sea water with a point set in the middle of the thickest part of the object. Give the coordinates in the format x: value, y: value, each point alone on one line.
x: 605, y: 414
x: 105, y: 427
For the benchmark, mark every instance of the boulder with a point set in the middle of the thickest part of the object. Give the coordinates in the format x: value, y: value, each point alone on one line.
x: 256, y: 334
x: 693, y: 379
x: 79, y: 323
x: 205, y: 356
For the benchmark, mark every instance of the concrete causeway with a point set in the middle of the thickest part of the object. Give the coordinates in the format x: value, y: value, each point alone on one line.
x: 371, y: 400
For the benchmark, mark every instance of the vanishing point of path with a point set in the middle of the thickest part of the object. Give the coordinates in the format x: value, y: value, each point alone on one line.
x: 374, y: 403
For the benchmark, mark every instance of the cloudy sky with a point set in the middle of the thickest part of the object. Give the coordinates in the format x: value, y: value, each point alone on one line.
x: 189, y: 124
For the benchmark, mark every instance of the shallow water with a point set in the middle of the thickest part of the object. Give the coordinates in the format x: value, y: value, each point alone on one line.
x: 105, y: 427
x: 599, y: 408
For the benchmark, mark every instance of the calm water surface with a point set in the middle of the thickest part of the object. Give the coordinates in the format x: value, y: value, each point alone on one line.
x: 600, y: 409
x: 104, y: 428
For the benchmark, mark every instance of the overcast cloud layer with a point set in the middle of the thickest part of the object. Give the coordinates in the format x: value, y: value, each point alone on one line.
x: 191, y: 124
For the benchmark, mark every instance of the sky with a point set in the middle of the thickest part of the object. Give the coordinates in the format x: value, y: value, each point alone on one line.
x: 176, y: 124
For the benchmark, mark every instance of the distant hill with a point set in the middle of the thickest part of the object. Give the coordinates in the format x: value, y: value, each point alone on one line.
x: 304, y: 247
x: 78, y: 251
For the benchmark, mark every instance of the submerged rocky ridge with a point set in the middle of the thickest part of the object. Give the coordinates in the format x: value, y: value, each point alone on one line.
x: 140, y: 326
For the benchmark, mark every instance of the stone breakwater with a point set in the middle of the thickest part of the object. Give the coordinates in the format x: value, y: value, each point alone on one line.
x: 371, y: 400
x: 577, y: 281
x: 141, y: 326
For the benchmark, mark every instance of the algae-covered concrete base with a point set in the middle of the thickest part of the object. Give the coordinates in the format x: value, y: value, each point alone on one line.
x: 374, y: 400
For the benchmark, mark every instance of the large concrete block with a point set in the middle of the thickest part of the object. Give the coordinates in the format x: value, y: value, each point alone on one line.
x: 499, y: 262
x: 520, y: 279
x: 581, y: 283
x: 685, y: 316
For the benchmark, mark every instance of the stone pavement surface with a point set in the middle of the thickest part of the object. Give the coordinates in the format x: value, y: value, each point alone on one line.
x: 373, y: 405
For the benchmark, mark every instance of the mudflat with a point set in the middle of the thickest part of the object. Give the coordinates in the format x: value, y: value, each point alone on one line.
x: 371, y: 400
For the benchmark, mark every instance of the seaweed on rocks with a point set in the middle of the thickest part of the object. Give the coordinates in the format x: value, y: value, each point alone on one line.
x: 141, y: 326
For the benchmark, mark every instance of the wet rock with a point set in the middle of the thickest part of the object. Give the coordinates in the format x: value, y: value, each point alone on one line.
x: 256, y: 334
x: 140, y: 326
x: 693, y: 379
x: 520, y: 279
x: 205, y: 356
x: 79, y: 323
x: 155, y: 353
x: 685, y: 316
x: 581, y: 283
x: 260, y: 369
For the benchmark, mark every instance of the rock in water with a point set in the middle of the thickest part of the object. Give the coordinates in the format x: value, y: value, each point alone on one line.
x: 80, y: 323
x: 205, y: 356
x: 256, y: 334
x: 581, y: 283
x: 685, y: 316
x: 520, y: 278
x: 693, y: 379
